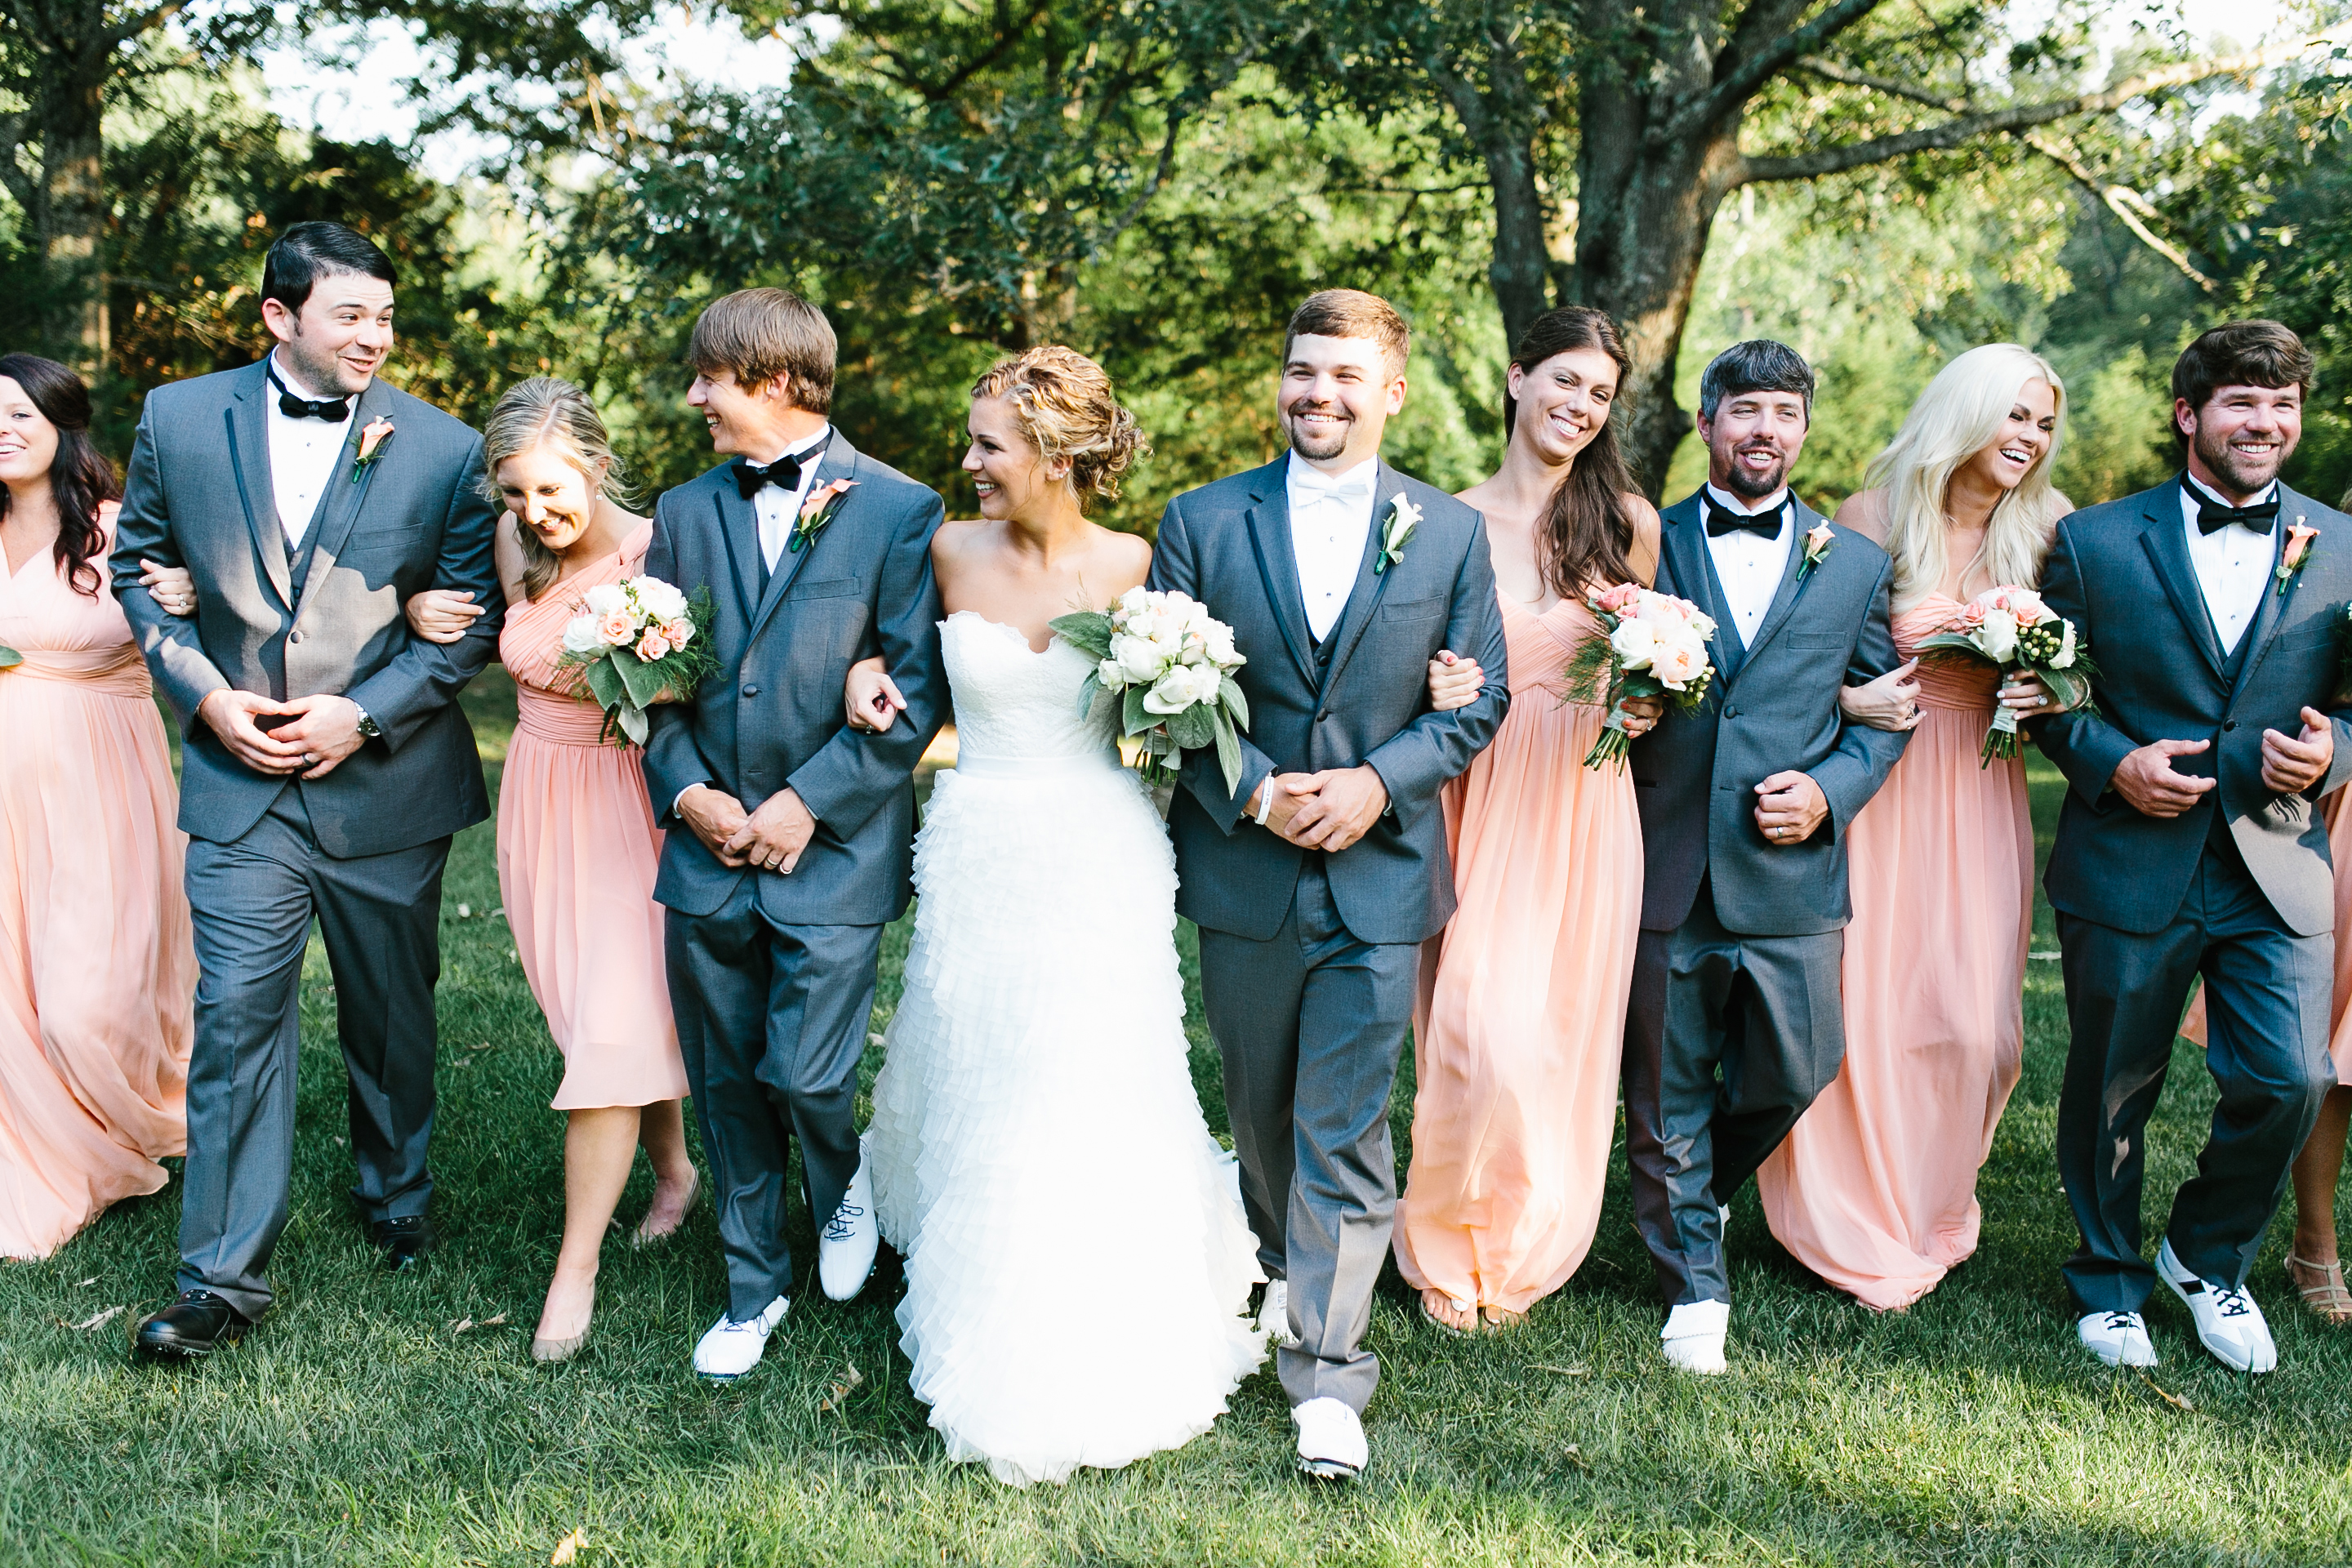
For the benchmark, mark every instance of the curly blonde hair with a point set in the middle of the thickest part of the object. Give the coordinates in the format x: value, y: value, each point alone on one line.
x: 1065, y: 408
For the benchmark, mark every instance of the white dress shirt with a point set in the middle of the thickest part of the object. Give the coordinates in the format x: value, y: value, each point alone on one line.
x: 779, y: 510
x: 2234, y: 565
x: 1748, y: 567
x: 1330, y: 517
x: 302, y: 454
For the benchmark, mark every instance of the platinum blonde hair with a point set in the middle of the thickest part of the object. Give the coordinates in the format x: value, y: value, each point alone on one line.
x: 1958, y: 415
x: 533, y: 412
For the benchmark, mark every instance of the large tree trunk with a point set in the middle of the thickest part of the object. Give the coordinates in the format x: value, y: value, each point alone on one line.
x: 73, y: 207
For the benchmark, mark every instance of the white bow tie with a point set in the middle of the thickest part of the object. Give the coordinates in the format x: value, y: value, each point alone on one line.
x: 1314, y: 486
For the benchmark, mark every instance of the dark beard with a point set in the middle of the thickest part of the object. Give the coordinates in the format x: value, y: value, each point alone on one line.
x: 2234, y: 475
x: 1339, y: 442
x: 1754, y: 487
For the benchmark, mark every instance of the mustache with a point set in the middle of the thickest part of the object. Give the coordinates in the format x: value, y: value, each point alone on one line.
x: 1313, y: 405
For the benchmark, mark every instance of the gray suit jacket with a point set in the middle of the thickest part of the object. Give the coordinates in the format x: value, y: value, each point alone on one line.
x: 771, y: 719
x: 1228, y: 545
x: 1773, y: 708
x: 199, y: 496
x: 2122, y: 573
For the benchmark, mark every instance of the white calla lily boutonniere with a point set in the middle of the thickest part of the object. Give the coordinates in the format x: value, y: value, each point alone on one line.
x: 1819, y: 539
x: 1395, y: 531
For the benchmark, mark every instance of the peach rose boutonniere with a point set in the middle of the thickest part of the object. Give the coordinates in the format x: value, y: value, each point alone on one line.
x: 1819, y: 541
x: 2294, y: 553
x: 816, y: 512
x: 372, y: 439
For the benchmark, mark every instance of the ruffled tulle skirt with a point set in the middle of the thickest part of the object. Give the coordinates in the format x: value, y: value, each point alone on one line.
x: 1077, y: 1262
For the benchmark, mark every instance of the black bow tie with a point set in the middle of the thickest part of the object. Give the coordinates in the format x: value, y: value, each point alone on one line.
x: 2212, y: 516
x: 785, y: 473
x: 1721, y: 519
x: 334, y: 410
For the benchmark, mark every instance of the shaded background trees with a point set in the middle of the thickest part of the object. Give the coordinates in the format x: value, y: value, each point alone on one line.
x: 1159, y: 181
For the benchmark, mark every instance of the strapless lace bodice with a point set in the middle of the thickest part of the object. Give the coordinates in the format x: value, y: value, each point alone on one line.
x: 1014, y: 704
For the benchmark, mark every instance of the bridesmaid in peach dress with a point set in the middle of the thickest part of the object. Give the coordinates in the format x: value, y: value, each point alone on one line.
x: 1875, y: 1190
x: 1522, y: 1008
x: 577, y: 845
x: 98, y: 969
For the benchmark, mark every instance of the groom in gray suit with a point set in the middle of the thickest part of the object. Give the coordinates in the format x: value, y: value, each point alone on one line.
x: 327, y: 763
x: 791, y: 834
x: 2191, y: 843
x: 1316, y: 879
x: 1734, y: 1023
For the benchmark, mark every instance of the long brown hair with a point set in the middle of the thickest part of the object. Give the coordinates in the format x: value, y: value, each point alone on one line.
x: 1585, y: 539
x: 80, y: 476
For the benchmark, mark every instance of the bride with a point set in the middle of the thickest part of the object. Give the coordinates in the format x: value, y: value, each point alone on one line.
x: 1037, y: 1124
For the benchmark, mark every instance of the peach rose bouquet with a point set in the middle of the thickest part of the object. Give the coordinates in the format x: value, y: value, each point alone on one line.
x: 638, y: 642
x: 2012, y: 629
x: 1650, y: 645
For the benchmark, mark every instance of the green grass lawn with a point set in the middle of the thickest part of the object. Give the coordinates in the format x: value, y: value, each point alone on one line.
x: 366, y: 1422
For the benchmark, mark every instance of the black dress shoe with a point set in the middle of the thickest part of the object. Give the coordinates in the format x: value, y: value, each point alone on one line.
x: 194, y: 1325
x: 405, y: 1241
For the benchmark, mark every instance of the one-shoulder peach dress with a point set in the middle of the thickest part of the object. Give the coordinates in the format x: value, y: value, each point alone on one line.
x: 1522, y: 1017
x: 98, y: 964
x: 2332, y: 810
x: 577, y: 854
x: 1875, y: 1190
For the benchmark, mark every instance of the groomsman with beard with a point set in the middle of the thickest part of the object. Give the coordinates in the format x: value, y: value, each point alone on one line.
x: 2191, y: 844
x: 790, y: 840
x: 1734, y: 1023
x: 1316, y: 881
x: 327, y: 762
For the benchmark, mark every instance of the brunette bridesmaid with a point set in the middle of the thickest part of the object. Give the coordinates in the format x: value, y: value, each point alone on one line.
x: 577, y: 845
x: 1522, y: 1009
x: 1875, y: 1191
x: 98, y: 971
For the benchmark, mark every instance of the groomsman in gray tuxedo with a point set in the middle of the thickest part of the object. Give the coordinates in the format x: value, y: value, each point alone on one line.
x: 2190, y: 842
x: 1316, y: 880
x: 1734, y: 1022
x: 790, y: 834
x: 327, y: 763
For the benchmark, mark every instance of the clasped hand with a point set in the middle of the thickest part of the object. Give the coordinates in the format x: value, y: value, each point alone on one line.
x: 2291, y: 764
x: 326, y: 729
x: 773, y: 838
x: 1329, y: 810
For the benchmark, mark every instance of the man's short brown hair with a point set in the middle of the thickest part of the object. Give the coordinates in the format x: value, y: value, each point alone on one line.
x: 2240, y: 354
x: 1352, y: 313
x: 757, y: 335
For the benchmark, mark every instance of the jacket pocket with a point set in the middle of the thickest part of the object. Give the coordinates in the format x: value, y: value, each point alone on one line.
x: 1419, y: 609
x: 1820, y: 639
x: 824, y: 588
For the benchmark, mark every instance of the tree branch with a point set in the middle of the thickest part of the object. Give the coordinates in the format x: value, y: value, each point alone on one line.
x: 132, y: 27
x: 1817, y: 65
x: 20, y: 184
x: 1769, y: 57
x: 2019, y: 117
x: 2123, y: 201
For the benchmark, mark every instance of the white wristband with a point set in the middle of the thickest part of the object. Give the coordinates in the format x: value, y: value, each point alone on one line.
x: 1265, y: 800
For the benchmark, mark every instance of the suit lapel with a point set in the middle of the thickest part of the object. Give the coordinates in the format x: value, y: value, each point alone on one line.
x: 2167, y: 540
x: 2293, y: 509
x: 739, y: 529
x: 1793, y: 580
x: 248, y: 452
x: 839, y: 462
x: 1364, y: 597
x: 347, y: 488
x: 1277, y: 563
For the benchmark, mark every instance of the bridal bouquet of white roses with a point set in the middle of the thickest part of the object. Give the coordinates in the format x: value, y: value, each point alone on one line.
x: 1652, y: 645
x: 638, y: 642
x: 2012, y: 629
x: 1170, y: 665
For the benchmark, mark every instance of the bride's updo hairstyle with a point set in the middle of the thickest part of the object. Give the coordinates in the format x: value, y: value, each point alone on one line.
x: 1065, y: 408
x: 533, y: 412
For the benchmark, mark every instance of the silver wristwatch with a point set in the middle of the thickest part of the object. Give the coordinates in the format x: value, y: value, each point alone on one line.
x: 368, y: 726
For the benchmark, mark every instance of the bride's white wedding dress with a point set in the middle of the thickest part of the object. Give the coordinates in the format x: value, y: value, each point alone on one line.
x: 1077, y: 1261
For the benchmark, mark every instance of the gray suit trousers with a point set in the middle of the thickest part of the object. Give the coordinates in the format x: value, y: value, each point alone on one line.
x: 2266, y: 1006
x: 1310, y: 1026
x: 1728, y: 1039
x: 253, y: 900
x: 772, y: 1020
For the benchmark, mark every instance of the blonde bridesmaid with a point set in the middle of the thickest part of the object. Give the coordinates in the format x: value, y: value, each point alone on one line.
x: 1875, y: 1191
x: 577, y: 845
x: 1522, y: 1009
x: 98, y: 969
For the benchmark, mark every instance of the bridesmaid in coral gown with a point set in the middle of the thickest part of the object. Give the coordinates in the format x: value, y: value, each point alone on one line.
x: 1522, y: 1009
x: 1875, y: 1190
x: 577, y: 845
x: 98, y: 969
